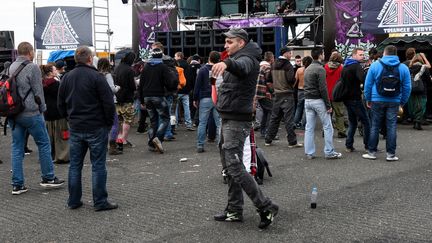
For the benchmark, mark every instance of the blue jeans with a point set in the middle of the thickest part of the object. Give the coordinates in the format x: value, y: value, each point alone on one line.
x: 206, y: 107
x: 35, y: 125
x: 381, y: 111
x: 357, y: 111
x: 184, y: 100
x: 300, y: 107
x: 157, y: 107
x: 96, y: 141
x: 168, y: 132
x: 316, y: 108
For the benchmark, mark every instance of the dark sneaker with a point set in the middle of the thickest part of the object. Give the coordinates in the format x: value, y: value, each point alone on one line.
x: 59, y: 161
x: 16, y: 190
x: 107, y: 206
x: 158, y: 145
x: 229, y: 217
x: 342, y: 135
x: 350, y: 150
x: 310, y: 156
x: 225, y: 177
x: 268, y: 143
x: 75, y: 206
x: 56, y: 182
x: 200, y: 150
x: 191, y: 129
x: 129, y: 145
x: 27, y: 151
x: 267, y: 216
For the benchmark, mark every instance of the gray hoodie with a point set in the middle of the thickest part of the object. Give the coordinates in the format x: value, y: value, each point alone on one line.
x: 30, y: 78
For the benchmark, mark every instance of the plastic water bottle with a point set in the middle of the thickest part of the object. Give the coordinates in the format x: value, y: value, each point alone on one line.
x: 314, y: 196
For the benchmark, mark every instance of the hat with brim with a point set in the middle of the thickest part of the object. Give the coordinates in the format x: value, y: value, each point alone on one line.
x: 233, y: 33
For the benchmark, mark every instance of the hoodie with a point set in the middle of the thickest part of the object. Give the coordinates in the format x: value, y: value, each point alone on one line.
x: 236, y: 93
x: 154, y: 79
x: 374, y: 75
x: 353, y: 77
x: 202, y: 85
x: 283, y: 76
x: 333, y: 74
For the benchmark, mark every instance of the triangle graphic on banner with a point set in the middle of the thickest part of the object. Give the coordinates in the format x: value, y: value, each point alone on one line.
x: 58, y: 30
x: 402, y: 13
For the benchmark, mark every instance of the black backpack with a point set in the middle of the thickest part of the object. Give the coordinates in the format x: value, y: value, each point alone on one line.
x: 340, y: 91
x: 389, y: 84
x: 417, y: 85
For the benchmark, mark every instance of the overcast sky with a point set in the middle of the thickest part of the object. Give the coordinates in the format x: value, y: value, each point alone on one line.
x: 17, y: 15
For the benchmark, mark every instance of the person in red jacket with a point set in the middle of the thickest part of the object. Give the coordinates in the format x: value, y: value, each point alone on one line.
x: 333, y: 73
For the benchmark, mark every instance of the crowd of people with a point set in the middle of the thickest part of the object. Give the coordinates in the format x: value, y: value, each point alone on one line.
x: 93, y: 107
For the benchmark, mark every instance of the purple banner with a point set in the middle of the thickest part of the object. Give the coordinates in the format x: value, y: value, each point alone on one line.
x: 152, y: 17
x: 246, y: 23
x: 342, y: 28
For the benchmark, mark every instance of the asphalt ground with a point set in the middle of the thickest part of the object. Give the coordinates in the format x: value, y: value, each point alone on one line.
x: 163, y: 200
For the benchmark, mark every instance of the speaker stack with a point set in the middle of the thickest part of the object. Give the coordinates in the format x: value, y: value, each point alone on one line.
x: 201, y: 42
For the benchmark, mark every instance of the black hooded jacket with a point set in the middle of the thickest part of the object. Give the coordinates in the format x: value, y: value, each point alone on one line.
x: 283, y: 76
x: 237, y: 90
x: 125, y: 78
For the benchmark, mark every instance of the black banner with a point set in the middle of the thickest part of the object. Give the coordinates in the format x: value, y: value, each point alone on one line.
x: 396, y: 16
x: 63, y: 27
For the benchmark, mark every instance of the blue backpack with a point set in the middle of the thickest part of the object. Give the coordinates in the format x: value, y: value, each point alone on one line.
x: 389, y: 84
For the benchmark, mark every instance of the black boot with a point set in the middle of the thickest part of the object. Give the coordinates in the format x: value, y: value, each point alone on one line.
x: 417, y: 125
x: 120, y: 147
x: 113, y: 148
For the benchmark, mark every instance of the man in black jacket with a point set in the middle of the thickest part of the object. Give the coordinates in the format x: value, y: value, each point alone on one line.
x: 183, y: 93
x: 125, y: 78
x: 283, y: 78
x: 155, y: 80
x: 85, y: 98
x: 353, y: 77
x: 235, y: 105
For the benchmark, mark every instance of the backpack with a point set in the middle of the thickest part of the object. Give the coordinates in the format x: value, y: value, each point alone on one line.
x: 11, y: 103
x: 340, y: 91
x: 389, y: 85
x: 417, y: 85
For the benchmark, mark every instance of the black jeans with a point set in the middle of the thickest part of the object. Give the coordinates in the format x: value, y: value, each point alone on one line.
x: 283, y: 107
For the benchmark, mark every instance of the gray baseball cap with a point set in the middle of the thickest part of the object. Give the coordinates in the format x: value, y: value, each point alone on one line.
x: 241, y: 33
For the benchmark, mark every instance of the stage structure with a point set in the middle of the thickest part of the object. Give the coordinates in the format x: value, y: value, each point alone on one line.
x: 202, y: 34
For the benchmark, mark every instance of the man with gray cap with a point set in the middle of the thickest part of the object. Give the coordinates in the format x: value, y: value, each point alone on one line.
x: 235, y: 105
x: 283, y: 78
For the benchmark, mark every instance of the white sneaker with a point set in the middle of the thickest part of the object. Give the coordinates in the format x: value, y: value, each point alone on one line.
x: 369, y: 156
x: 392, y: 158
